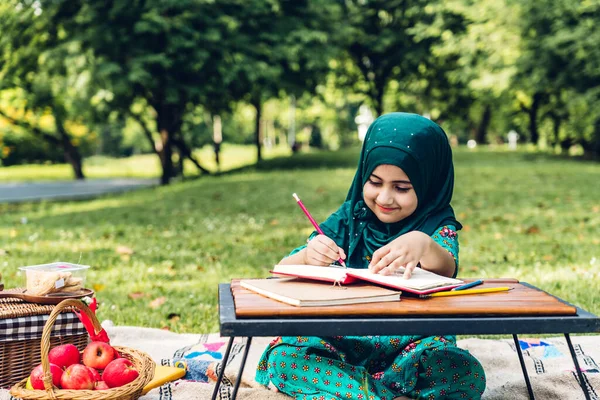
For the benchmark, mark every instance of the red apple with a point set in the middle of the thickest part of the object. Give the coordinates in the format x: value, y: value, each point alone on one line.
x: 119, y: 372
x: 37, y: 375
x: 95, y: 374
x: 77, y: 377
x: 98, y: 355
x: 64, y: 355
x: 101, y: 385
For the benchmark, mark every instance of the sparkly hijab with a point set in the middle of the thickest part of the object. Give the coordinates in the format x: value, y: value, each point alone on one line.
x: 420, y: 148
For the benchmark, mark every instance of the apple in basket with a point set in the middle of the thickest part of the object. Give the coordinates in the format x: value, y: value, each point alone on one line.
x: 95, y: 374
x: 64, y: 355
x: 101, y: 385
x: 98, y: 355
x: 77, y: 377
x: 119, y: 372
x: 37, y: 375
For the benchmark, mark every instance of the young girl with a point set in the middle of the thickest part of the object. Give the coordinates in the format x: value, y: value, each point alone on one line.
x: 397, y: 214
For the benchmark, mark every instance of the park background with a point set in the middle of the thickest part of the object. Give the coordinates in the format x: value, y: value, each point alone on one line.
x: 234, y: 105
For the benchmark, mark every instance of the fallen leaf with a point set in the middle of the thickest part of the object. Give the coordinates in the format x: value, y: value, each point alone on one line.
x: 199, y: 268
x: 98, y: 287
x: 596, y: 209
x: 136, y: 295
x: 274, y: 222
x: 165, y: 328
x: 13, y: 233
x: 124, y: 250
x: 173, y: 317
x: 159, y: 301
x: 466, y: 228
x: 473, y: 268
x: 497, y: 235
x: 532, y: 230
x: 548, y: 257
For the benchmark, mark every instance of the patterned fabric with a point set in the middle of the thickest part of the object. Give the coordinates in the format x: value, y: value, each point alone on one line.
x: 31, y: 327
x: 447, y: 237
x: 371, y: 368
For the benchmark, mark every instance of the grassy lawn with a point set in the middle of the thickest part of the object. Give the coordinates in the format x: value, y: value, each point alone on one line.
x: 525, y: 215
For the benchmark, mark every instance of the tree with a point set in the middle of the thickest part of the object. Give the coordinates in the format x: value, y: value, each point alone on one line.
x: 282, y: 48
x: 157, y: 60
x: 559, y: 62
x: 45, y: 72
x: 387, y: 40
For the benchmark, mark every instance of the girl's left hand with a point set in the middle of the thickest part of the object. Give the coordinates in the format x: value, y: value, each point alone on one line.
x: 405, y: 251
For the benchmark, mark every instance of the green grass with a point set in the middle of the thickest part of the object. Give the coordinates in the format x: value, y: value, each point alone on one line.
x: 526, y: 215
x: 140, y: 166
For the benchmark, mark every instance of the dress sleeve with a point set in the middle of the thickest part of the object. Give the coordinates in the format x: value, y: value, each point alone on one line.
x: 447, y: 237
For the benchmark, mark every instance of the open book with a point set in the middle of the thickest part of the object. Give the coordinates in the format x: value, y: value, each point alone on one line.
x: 306, y: 293
x: 421, y: 281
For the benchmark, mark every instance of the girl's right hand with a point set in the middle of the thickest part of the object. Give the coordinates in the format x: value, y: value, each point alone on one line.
x: 322, y: 251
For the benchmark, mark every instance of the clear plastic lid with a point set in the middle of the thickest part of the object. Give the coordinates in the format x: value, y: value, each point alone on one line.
x: 55, y: 266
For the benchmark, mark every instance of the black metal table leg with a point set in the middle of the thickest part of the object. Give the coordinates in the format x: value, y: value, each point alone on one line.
x: 579, y: 373
x: 222, y: 372
x: 523, y: 367
x: 239, y: 377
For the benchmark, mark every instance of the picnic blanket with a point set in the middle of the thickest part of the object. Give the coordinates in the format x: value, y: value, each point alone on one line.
x: 548, y: 361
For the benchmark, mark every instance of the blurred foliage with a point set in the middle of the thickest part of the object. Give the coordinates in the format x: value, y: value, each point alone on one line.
x: 129, y: 77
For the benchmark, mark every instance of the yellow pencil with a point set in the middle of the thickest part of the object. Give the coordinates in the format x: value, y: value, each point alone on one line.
x: 468, y: 291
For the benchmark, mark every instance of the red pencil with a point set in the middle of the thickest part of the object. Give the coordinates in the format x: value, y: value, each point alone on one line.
x: 312, y: 221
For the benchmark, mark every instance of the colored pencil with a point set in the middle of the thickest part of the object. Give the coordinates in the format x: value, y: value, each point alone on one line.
x: 313, y: 222
x: 467, y: 291
x: 469, y: 285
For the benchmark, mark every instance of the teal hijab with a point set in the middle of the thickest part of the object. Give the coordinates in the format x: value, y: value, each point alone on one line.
x: 420, y: 148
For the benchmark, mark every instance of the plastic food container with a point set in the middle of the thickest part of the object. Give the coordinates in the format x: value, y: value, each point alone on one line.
x: 55, y: 277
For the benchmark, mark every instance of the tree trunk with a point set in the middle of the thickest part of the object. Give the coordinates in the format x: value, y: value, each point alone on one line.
x: 72, y: 155
x: 556, y: 122
x: 168, y: 122
x: 377, y: 96
x: 185, y: 152
x: 482, y: 128
x: 532, y: 112
x: 257, y: 139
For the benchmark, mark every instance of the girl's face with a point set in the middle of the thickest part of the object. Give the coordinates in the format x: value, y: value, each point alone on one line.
x: 389, y: 194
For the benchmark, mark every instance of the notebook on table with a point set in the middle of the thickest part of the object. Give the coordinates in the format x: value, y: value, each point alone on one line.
x: 309, y: 293
x: 421, y: 281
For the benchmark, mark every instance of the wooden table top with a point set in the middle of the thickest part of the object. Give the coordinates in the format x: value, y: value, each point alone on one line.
x: 521, y: 300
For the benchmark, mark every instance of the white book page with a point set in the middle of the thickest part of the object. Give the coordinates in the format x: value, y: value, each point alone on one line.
x: 420, y: 280
x: 333, y: 273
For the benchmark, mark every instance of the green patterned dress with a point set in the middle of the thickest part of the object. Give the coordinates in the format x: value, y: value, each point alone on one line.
x: 374, y: 367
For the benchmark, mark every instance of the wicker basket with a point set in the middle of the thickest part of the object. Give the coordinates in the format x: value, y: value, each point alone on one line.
x: 133, y: 390
x: 19, y: 357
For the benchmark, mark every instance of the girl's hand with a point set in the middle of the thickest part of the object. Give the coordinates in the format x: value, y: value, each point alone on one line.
x: 321, y: 250
x: 405, y: 251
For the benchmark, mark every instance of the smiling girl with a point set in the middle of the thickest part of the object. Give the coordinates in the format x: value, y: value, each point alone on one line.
x: 397, y: 214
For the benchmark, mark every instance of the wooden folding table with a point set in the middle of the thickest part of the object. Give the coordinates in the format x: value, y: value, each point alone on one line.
x: 524, y: 309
